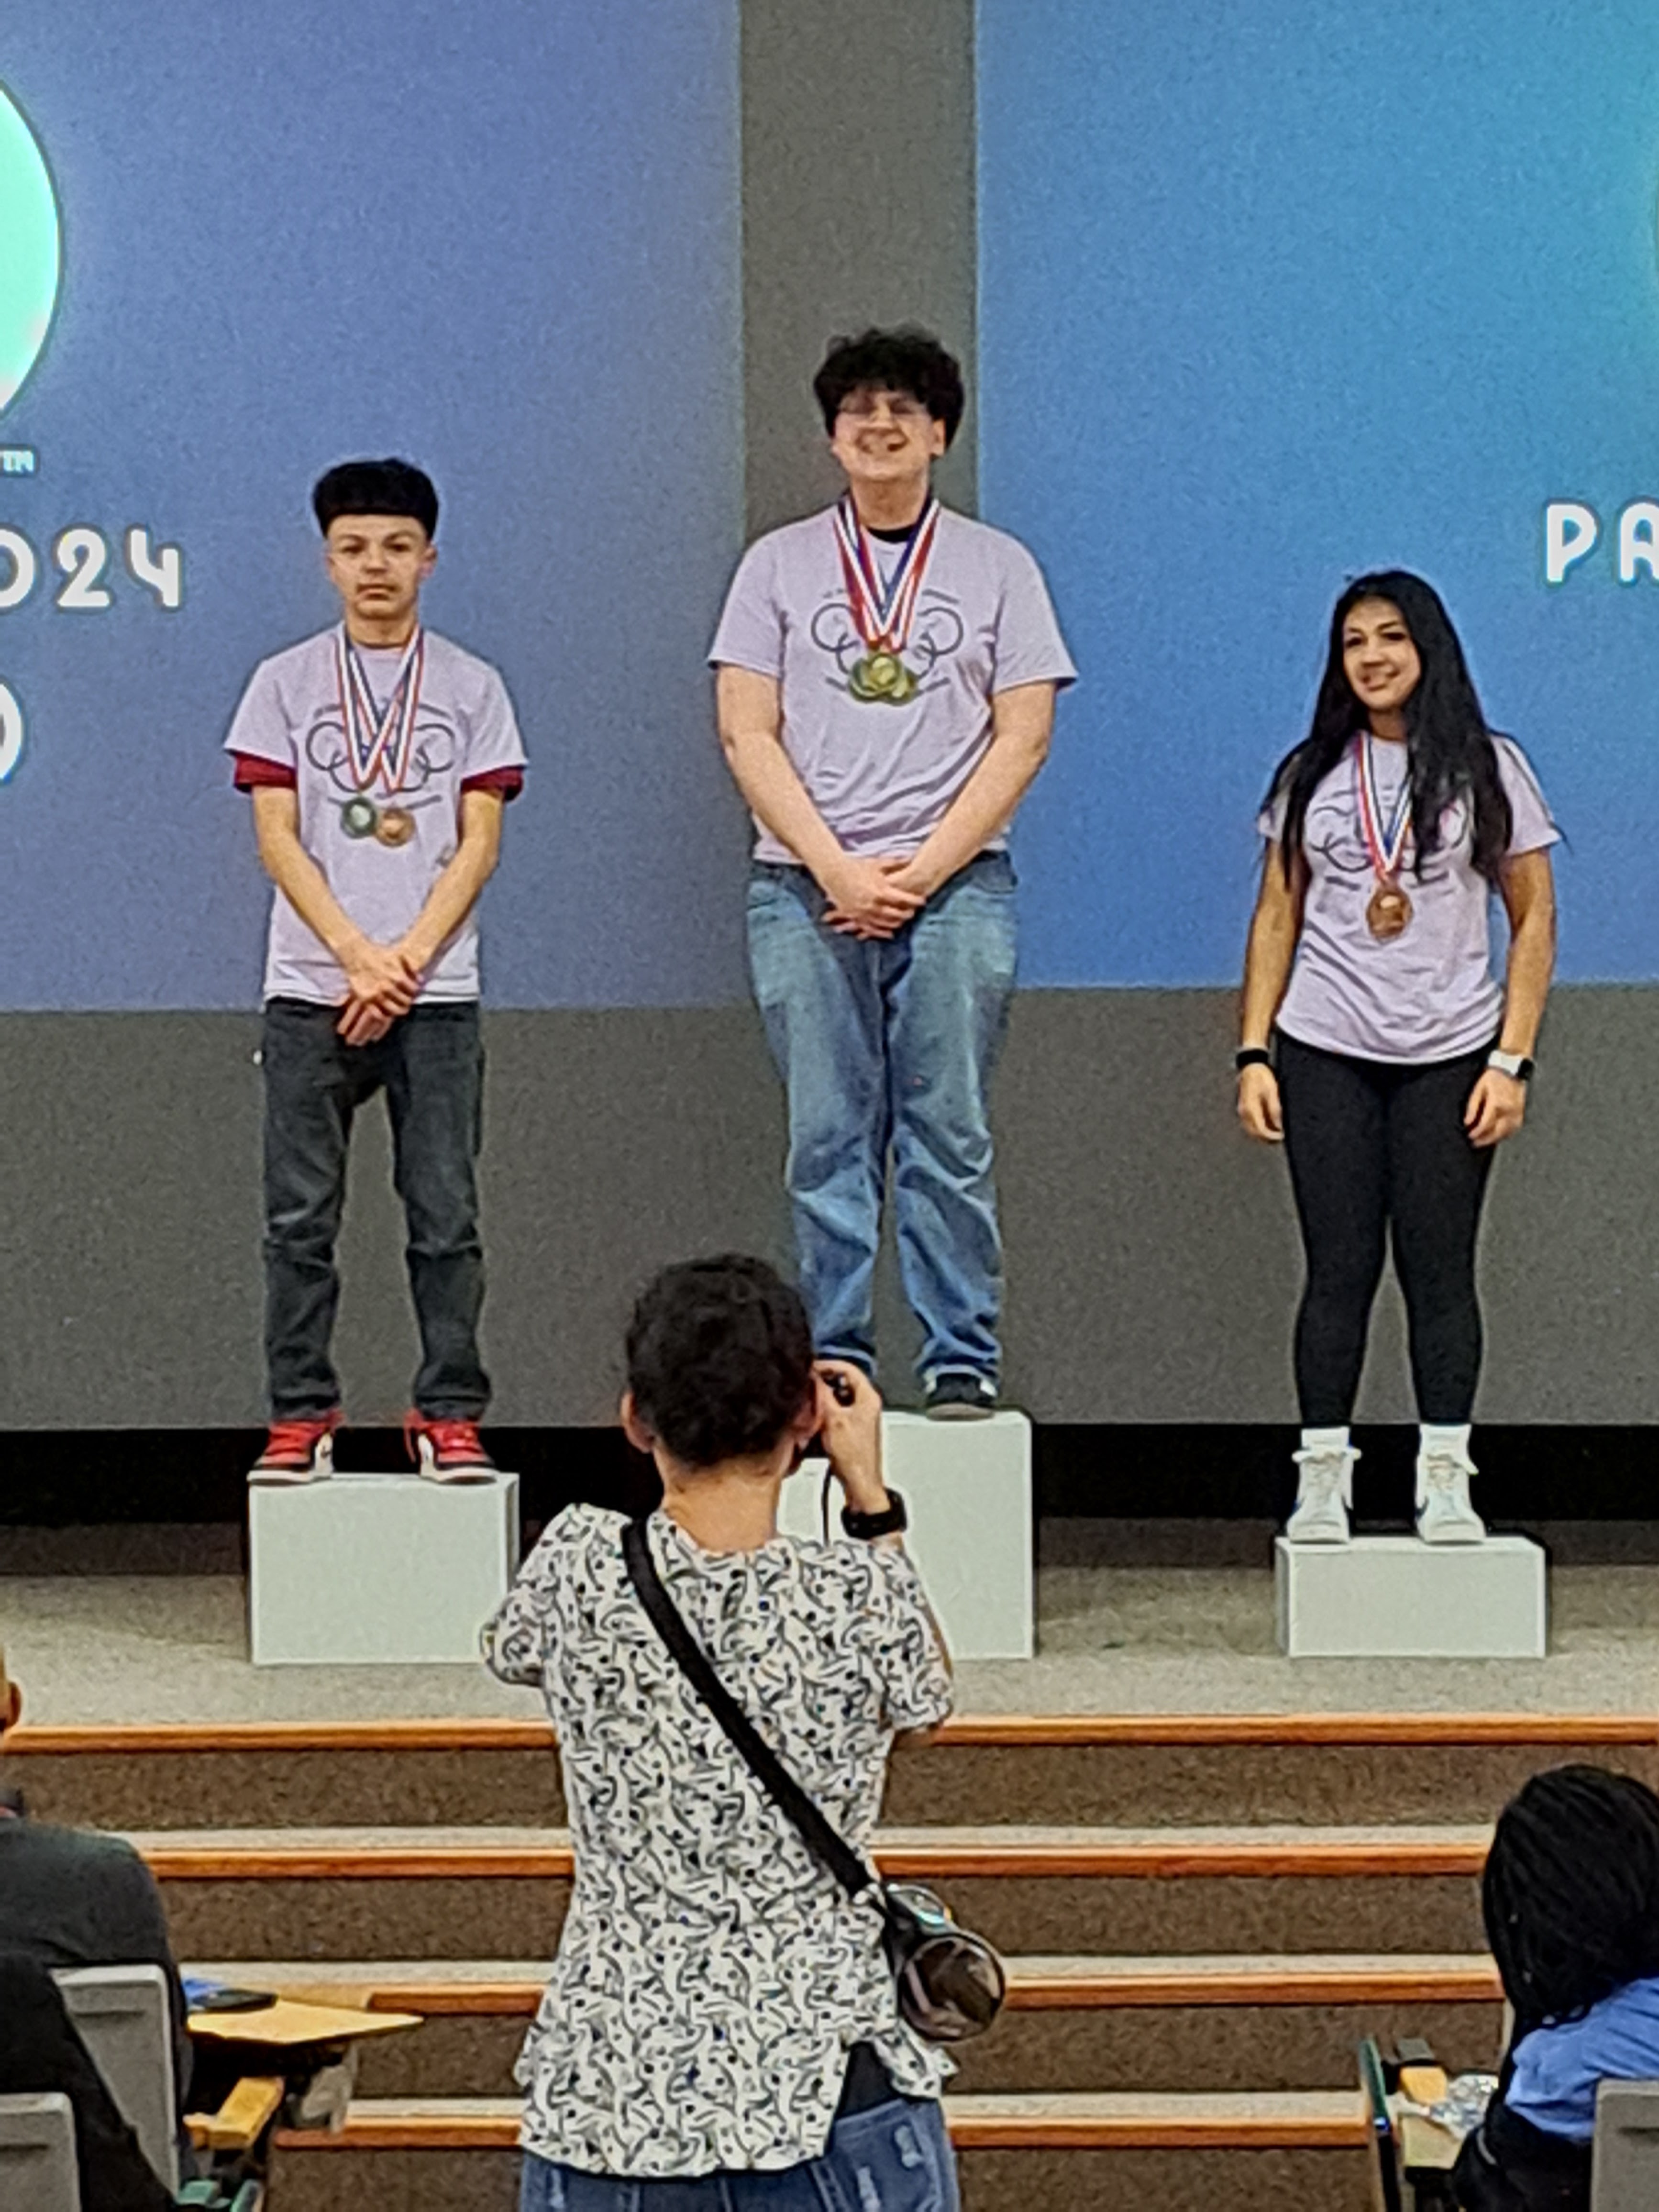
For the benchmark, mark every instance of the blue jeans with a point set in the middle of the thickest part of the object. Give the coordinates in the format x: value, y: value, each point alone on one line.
x: 430, y: 1064
x: 891, y: 1043
x: 894, y: 2158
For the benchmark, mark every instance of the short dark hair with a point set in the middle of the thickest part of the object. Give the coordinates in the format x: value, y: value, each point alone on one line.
x: 388, y: 486
x: 719, y: 1357
x: 1571, y: 1892
x: 906, y: 360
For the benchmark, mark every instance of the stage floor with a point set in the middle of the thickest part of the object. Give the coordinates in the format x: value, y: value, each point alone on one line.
x: 1153, y: 1636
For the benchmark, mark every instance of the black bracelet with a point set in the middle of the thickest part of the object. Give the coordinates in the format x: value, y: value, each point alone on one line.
x: 1252, y: 1055
x: 892, y: 1521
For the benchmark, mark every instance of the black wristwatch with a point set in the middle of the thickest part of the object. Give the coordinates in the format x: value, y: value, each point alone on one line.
x: 891, y: 1521
x: 1252, y: 1055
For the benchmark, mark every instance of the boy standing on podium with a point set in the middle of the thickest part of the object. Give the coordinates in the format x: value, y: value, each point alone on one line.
x: 887, y: 672
x: 379, y: 758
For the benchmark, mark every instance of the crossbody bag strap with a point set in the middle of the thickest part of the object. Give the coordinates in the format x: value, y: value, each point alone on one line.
x: 830, y: 1848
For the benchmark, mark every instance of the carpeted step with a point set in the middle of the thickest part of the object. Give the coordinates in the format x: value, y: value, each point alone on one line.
x: 1220, y: 2023
x: 1067, y: 2154
x: 1068, y: 1769
x: 475, y: 1893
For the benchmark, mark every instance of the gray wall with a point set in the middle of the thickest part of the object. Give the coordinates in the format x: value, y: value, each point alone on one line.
x: 1153, y: 1255
x: 858, y: 173
x: 1152, y: 1251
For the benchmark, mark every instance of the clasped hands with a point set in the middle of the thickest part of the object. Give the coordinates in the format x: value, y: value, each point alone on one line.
x: 382, y: 983
x: 873, y: 897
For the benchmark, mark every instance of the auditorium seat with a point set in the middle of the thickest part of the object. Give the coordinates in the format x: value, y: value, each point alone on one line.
x: 121, y: 2015
x: 37, y: 2171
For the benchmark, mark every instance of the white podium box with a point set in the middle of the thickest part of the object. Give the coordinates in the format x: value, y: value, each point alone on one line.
x: 369, y: 1569
x: 967, y: 1487
x: 1394, y: 1597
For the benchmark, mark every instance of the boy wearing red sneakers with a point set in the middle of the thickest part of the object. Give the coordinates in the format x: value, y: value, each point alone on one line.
x: 379, y: 758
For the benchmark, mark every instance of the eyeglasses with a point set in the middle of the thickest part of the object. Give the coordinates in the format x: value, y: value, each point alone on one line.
x: 866, y: 407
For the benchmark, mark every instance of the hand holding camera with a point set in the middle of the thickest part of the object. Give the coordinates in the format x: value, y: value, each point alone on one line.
x: 849, y: 1421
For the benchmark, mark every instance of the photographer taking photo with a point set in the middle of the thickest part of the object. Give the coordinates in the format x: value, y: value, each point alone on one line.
x: 722, y: 2027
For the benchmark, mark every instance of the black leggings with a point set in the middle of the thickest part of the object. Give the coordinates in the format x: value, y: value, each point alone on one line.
x: 1377, y: 1148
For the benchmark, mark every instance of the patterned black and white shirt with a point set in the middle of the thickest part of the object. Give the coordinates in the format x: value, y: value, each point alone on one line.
x: 710, y: 1978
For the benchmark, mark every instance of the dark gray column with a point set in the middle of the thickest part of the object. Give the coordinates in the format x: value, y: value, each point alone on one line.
x: 858, y: 207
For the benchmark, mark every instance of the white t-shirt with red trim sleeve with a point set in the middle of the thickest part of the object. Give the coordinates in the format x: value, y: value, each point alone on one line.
x: 290, y: 729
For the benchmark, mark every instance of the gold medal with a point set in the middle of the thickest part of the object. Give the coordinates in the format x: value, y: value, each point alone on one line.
x: 883, y: 613
x: 395, y: 827
x: 360, y: 818
x: 1388, y: 912
x: 881, y: 676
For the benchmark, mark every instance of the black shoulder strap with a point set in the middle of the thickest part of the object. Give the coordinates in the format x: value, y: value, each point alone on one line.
x: 831, y: 1849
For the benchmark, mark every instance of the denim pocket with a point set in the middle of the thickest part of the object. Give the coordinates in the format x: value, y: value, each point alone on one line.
x: 889, y: 2160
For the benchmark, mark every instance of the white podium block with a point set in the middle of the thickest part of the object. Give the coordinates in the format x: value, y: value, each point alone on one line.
x: 377, y: 1568
x: 1393, y: 1598
x: 967, y: 1487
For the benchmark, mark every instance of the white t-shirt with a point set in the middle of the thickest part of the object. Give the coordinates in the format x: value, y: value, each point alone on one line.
x: 884, y: 775
x: 290, y: 728
x: 1429, y: 993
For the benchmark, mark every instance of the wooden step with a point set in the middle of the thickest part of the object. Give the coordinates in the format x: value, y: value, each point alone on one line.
x: 1221, y: 2023
x: 1095, y: 2153
x: 914, y: 1854
x: 1047, y: 1770
x: 342, y: 1893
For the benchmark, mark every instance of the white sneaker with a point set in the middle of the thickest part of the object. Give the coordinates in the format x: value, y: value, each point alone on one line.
x: 1444, y: 1515
x: 1324, y: 1496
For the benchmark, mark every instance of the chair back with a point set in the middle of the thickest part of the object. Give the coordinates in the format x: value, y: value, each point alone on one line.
x: 1386, y: 2193
x: 1625, y: 2175
x: 38, y: 2173
x: 121, y: 2015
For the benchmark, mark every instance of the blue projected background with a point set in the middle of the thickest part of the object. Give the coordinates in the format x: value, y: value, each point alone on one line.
x: 1273, y: 291
x: 502, y: 240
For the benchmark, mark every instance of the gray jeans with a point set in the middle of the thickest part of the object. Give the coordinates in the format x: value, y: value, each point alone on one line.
x: 430, y: 1064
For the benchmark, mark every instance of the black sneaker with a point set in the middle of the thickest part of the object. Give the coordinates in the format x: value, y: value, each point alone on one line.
x: 960, y: 1397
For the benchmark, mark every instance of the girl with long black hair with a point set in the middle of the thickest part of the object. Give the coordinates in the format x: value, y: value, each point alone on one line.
x: 1376, y: 1044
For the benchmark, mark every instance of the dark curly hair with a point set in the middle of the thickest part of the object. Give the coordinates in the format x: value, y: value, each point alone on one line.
x: 1571, y: 1892
x: 719, y: 1357
x: 1448, y: 745
x: 908, y: 359
x: 388, y: 486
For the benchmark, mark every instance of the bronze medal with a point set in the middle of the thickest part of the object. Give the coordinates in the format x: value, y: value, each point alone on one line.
x: 395, y: 827
x: 1388, y: 912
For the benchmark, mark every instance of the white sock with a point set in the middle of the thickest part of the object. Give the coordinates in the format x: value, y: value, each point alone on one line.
x: 1448, y: 1436
x: 1328, y: 1440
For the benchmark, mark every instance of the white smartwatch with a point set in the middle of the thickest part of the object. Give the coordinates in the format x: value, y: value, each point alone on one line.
x: 1512, y: 1063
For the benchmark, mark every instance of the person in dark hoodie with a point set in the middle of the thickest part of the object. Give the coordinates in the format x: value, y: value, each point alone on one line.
x: 68, y: 1897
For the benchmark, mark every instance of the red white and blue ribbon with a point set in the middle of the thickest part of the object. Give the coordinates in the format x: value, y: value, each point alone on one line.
x: 1385, y: 842
x: 883, y: 613
x: 378, y: 743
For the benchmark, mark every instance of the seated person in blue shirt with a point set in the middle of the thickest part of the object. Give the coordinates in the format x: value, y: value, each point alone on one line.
x: 1570, y: 1901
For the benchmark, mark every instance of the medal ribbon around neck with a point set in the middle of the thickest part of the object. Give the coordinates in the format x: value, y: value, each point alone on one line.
x: 379, y: 744
x: 883, y: 618
x: 1385, y: 843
